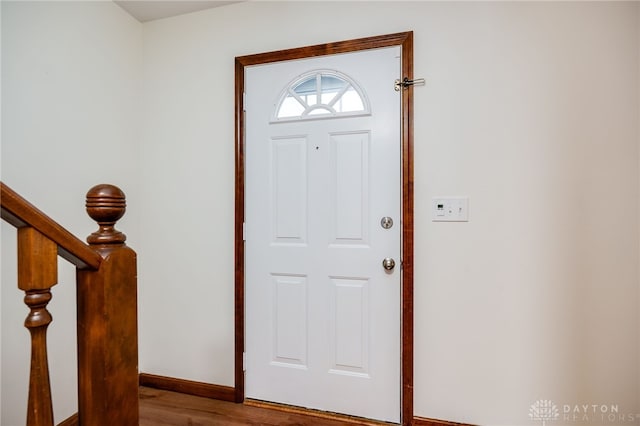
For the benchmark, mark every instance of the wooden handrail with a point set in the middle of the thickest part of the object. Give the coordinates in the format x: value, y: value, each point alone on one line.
x: 20, y: 213
x: 106, y: 311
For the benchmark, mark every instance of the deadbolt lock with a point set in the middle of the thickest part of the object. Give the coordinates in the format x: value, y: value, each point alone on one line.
x: 386, y: 222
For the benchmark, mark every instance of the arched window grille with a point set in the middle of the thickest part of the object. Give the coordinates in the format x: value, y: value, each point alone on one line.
x: 321, y: 94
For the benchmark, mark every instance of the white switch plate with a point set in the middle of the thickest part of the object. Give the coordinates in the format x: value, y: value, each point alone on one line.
x: 450, y: 209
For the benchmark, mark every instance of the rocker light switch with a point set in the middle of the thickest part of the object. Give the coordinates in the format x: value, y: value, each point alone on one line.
x: 450, y: 209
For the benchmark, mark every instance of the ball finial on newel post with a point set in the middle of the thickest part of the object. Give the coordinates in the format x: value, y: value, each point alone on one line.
x: 106, y: 204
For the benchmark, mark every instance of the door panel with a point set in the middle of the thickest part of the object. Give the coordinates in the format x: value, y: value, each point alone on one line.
x: 322, y: 315
x: 349, y: 339
x: 290, y: 332
x: 349, y: 198
x: 289, y: 190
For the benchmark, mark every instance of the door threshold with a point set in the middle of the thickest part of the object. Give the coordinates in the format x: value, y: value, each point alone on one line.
x: 346, y: 419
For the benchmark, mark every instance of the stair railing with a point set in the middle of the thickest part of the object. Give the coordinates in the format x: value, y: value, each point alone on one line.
x: 106, y: 307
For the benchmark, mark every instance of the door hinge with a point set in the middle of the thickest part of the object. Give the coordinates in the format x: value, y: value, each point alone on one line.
x: 405, y: 83
x: 244, y: 101
x: 244, y: 231
x: 244, y: 361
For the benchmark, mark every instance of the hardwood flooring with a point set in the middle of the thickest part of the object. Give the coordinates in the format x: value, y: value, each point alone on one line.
x: 159, y: 407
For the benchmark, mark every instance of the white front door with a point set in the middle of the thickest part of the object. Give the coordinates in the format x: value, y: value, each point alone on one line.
x: 322, y: 161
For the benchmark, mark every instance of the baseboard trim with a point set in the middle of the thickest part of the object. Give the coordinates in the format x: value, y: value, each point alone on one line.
x: 421, y: 421
x: 206, y: 390
x: 71, y: 421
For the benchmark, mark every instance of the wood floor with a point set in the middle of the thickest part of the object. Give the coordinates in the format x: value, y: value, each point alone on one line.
x: 159, y: 407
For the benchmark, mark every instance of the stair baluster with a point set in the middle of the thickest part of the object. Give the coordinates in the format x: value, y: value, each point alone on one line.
x: 37, y: 273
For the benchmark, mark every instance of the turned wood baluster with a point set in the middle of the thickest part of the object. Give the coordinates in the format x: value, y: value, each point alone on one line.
x: 107, y: 320
x: 37, y: 273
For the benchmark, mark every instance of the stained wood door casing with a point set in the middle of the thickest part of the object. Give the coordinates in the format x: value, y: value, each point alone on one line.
x: 405, y: 40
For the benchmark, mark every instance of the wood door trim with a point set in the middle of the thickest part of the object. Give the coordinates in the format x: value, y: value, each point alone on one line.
x: 405, y: 40
x: 309, y: 412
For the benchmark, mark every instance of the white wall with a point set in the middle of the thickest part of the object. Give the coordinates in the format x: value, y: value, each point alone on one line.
x: 70, y: 100
x: 530, y: 109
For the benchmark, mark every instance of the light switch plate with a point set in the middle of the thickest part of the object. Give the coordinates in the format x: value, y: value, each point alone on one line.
x: 450, y: 209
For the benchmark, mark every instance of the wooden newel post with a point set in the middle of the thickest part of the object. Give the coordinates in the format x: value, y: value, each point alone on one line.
x: 107, y: 320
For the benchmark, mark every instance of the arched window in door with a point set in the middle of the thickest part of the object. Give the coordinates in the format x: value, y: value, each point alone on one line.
x: 321, y: 94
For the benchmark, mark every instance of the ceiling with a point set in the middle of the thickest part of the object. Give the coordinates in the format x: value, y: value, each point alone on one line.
x: 149, y: 10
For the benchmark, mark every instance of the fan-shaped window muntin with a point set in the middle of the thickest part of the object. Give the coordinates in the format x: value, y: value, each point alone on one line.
x: 321, y: 94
